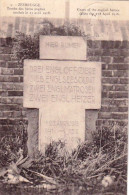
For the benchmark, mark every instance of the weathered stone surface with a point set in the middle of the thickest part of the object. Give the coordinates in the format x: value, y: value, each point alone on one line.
x: 59, y: 122
x: 62, y: 90
x: 62, y: 82
x: 90, y: 121
x: 63, y: 47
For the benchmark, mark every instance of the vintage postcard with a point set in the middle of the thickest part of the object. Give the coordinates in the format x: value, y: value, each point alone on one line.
x: 64, y: 97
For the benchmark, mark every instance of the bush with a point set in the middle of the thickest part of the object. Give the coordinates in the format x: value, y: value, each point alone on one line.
x: 27, y: 46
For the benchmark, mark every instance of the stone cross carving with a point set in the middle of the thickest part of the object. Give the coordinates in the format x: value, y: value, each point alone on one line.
x: 62, y: 89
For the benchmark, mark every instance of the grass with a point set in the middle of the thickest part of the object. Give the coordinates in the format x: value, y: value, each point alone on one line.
x: 90, y: 162
x: 12, y: 143
x: 84, y: 169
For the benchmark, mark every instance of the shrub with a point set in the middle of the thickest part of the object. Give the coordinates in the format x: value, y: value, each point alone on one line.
x: 27, y: 46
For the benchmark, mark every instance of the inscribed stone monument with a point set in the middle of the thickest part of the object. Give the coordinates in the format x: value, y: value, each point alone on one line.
x: 62, y: 82
x: 62, y: 90
x: 65, y: 123
x: 63, y: 47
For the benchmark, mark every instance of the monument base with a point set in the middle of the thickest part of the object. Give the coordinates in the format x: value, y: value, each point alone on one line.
x: 33, y: 129
x: 61, y: 122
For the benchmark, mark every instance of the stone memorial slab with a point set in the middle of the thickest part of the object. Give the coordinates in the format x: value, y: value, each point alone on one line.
x: 61, y: 123
x: 63, y: 47
x: 62, y: 82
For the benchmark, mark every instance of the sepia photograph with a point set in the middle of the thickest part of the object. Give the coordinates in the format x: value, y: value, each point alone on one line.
x: 64, y: 70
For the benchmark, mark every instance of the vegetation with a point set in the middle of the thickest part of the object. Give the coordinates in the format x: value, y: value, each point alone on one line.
x: 12, y: 144
x: 27, y: 46
x: 96, y: 166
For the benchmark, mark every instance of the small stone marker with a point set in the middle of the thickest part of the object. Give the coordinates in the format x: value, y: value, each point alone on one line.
x: 62, y: 82
x: 60, y: 122
x: 63, y: 47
